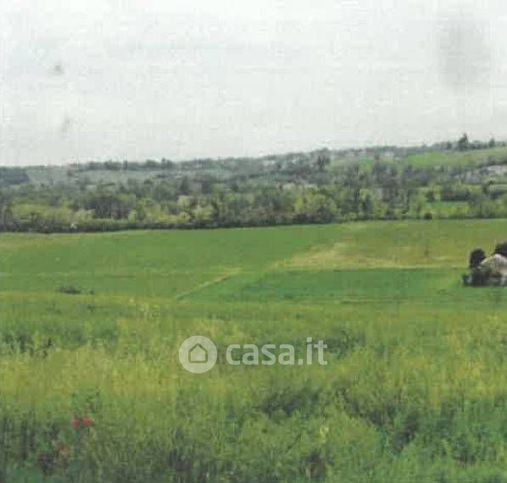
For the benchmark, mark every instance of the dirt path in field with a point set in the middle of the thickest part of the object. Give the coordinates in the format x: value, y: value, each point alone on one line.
x: 215, y: 281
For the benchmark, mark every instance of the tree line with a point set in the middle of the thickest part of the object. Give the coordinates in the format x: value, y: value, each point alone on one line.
x: 208, y: 194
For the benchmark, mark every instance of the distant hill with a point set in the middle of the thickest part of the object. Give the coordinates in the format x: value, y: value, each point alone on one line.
x: 120, y: 172
x: 446, y: 180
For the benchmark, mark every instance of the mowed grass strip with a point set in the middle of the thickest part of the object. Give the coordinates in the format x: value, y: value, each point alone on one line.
x: 144, y: 263
x: 172, y: 263
x: 385, y: 285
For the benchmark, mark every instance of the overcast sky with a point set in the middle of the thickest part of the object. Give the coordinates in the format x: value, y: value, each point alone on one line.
x: 110, y: 79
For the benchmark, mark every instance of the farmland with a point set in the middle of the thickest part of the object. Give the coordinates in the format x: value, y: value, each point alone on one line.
x: 415, y: 388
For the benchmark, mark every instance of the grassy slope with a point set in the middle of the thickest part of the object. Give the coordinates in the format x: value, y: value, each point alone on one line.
x: 415, y: 389
x: 467, y: 158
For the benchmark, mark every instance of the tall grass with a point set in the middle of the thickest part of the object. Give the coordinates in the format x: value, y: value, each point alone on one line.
x: 415, y: 388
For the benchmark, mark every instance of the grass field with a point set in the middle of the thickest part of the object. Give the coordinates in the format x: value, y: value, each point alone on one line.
x: 415, y: 388
x: 458, y: 158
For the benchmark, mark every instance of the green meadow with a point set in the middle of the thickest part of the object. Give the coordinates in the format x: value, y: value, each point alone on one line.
x: 469, y: 158
x: 415, y: 386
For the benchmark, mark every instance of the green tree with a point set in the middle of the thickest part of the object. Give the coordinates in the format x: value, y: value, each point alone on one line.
x: 463, y: 142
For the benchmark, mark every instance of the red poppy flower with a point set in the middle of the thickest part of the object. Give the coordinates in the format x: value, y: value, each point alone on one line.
x: 76, y: 422
x: 87, y: 421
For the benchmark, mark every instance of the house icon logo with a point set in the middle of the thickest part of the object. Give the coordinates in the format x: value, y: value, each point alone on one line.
x: 198, y: 354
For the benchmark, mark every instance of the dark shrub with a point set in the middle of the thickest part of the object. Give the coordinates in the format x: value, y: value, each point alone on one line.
x: 476, y: 257
x: 477, y: 278
x: 501, y: 249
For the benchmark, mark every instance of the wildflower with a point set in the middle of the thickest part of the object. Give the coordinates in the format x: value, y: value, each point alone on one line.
x: 82, y: 422
x: 87, y: 421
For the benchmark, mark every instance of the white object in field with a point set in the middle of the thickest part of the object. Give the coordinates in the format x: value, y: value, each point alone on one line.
x: 496, y: 265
